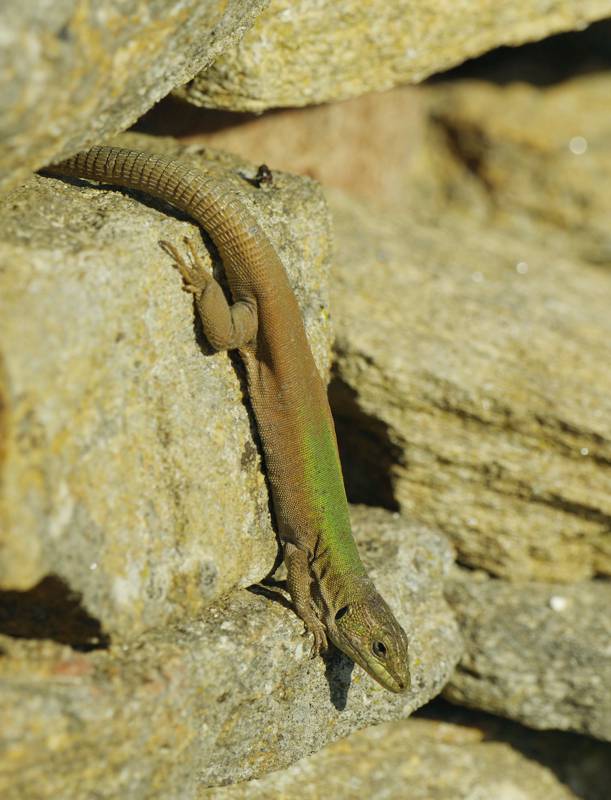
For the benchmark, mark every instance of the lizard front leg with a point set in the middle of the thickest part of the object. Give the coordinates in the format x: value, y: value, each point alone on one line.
x: 299, y: 583
x: 226, y: 326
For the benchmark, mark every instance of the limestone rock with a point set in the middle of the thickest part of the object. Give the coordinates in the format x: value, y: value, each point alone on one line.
x: 231, y: 696
x: 471, y: 388
x: 334, y: 143
x: 536, y: 160
x: 531, y: 157
x: 537, y: 653
x: 419, y: 759
x: 472, y: 383
x: 581, y: 763
x: 73, y: 72
x: 301, y: 53
x: 129, y: 467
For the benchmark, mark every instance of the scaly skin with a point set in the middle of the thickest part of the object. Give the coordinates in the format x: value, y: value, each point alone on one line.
x: 327, y: 581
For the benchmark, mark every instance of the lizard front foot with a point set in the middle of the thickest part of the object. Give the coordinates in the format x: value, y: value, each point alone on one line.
x: 319, y: 633
x: 298, y: 581
x: 193, y: 270
x: 314, y: 625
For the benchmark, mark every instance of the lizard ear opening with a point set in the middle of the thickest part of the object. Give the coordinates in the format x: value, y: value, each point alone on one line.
x: 341, y: 612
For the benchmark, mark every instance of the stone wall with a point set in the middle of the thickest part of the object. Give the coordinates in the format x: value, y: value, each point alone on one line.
x: 448, y: 245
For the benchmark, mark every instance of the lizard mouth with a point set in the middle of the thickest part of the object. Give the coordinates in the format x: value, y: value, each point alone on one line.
x: 373, y: 668
x: 385, y: 679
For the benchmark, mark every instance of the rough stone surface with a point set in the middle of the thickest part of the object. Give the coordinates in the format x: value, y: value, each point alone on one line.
x: 503, y: 214
x: 537, y: 653
x: 73, y: 72
x: 476, y: 396
x: 520, y: 138
x: 229, y: 697
x: 420, y: 759
x: 299, y: 53
x: 536, y: 160
x: 581, y: 763
x: 129, y: 465
x: 333, y: 143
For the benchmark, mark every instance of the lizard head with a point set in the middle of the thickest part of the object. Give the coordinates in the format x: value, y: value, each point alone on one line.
x: 366, y: 630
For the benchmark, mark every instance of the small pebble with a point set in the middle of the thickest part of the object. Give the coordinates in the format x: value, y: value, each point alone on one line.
x: 578, y: 145
x: 557, y: 602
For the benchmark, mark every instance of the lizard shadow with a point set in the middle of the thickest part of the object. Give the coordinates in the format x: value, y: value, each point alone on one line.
x: 338, y: 667
x: 338, y: 672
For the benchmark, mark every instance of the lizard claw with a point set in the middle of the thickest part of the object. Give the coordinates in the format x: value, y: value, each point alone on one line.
x: 320, y: 643
x: 193, y: 271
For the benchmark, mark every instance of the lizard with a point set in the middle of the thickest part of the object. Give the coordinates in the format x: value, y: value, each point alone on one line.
x: 329, y: 587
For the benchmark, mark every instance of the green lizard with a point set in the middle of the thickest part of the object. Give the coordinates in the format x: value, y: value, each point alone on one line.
x: 328, y: 584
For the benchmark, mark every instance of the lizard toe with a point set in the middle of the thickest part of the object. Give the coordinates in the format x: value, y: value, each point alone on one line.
x: 195, y: 276
x: 320, y: 644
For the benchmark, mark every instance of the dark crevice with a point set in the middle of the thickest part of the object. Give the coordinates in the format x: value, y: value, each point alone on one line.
x: 545, y: 63
x: 571, y: 507
x: 172, y: 116
x: 468, y: 145
x: 564, y: 438
x: 51, y: 610
x: 366, y: 450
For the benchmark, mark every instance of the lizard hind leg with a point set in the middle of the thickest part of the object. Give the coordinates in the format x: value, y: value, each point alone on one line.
x: 226, y: 326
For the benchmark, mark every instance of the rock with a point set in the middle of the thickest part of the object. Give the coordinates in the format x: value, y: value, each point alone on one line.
x: 302, y: 53
x: 537, y: 653
x: 470, y: 388
x: 72, y: 73
x: 470, y: 251
x: 536, y: 160
x: 581, y: 763
x: 533, y: 158
x: 225, y: 698
x: 333, y: 143
x: 419, y: 759
x: 130, y: 469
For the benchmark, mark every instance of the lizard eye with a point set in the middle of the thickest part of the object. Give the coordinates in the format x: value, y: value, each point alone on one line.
x: 379, y: 649
x: 341, y: 612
